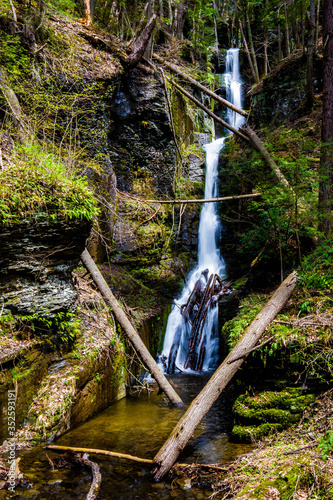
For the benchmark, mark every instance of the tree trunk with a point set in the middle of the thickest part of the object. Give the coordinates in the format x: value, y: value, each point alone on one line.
x: 326, y: 162
x: 183, y: 431
x: 141, y: 43
x: 129, y: 330
x: 170, y: 114
x: 139, y: 26
x: 254, y: 57
x: 310, y: 54
x: 287, y: 31
x: 86, y: 13
x: 247, y: 52
x: 209, y: 112
x: 148, y: 53
x: 179, y: 20
x: 198, y: 85
x: 279, y: 36
x: 317, y: 27
x: 265, y: 52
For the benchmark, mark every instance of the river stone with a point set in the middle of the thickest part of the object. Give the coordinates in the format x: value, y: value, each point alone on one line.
x: 36, y: 264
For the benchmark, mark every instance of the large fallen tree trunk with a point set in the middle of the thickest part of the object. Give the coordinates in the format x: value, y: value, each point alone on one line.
x: 183, y: 431
x: 209, y: 112
x: 198, y: 85
x: 257, y: 144
x: 129, y: 330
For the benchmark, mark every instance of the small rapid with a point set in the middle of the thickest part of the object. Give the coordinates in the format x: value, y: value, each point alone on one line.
x: 210, y: 261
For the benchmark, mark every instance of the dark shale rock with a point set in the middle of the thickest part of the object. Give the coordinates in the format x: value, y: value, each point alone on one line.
x: 283, y: 92
x: 36, y: 263
x: 140, y: 137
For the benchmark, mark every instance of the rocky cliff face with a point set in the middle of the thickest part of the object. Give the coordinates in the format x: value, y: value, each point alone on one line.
x: 140, y: 137
x: 36, y: 264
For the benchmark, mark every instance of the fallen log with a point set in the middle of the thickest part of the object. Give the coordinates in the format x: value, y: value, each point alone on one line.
x: 129, y: 330
x: 209, y: 112
x: 183, y: 431
x: 259, y: 146
x: 100, y: 452
x: 198, y: 85
x: 97, y: 478
x: 201, y: 200
x: 125, y: 456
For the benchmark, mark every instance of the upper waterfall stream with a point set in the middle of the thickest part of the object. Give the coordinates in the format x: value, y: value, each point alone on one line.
x: 179, y: 334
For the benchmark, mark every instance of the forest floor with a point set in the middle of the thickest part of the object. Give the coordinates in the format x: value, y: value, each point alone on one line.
x: 293, y: 464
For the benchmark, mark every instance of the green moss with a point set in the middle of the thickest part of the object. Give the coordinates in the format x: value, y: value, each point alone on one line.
x: 250, y: 434
x: 267, y: 412
x: 36, y: 185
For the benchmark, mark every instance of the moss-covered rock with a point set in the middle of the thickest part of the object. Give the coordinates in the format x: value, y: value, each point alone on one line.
x: 268, y: 412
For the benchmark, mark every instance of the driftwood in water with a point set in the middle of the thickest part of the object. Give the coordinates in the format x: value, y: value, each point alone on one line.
x: 97, y: 478
x: 209, y: 112
x: 99, y: 452
x: 129, y: 330
x: 72, y: 460
x: 208, y: 297
x: 198, y: 85
x: 183, y: 431
x: 204, y: 295
x: 128, y: 457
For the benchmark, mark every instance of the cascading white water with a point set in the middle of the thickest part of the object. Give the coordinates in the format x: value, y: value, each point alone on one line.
x: 178, y: 331
x: 233, y: 84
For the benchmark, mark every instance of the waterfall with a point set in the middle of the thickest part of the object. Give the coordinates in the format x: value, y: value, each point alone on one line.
x: 210, y: 261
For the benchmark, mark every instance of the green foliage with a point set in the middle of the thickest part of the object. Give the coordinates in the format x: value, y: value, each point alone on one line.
x: 201, y: 17
x: 63, y: 324
x: 63, y: 6
x: 235, y: 328
x: 13, y: 56
x: 326, y: 445
x: 317, y: 269
x: 38, y: 185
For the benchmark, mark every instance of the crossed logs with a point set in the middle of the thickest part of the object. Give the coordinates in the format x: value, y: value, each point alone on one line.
x: 202, y: 298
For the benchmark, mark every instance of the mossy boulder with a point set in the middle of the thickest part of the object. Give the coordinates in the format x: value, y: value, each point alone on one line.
x: 268, y: 412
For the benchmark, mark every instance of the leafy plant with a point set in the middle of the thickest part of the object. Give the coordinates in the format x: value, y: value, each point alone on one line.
x: 326, y: 445
x: 13, y: 56
x: 38, y: 185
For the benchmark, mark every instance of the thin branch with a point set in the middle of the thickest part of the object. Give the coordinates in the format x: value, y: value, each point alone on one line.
x: 201, y: 200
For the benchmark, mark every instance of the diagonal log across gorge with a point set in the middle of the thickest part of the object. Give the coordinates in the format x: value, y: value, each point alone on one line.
x: 183, y: 431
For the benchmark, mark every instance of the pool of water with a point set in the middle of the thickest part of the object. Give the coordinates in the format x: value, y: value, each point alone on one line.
x: 136, y: 426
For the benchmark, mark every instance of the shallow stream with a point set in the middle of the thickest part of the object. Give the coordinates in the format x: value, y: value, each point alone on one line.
x: 136, y: 426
